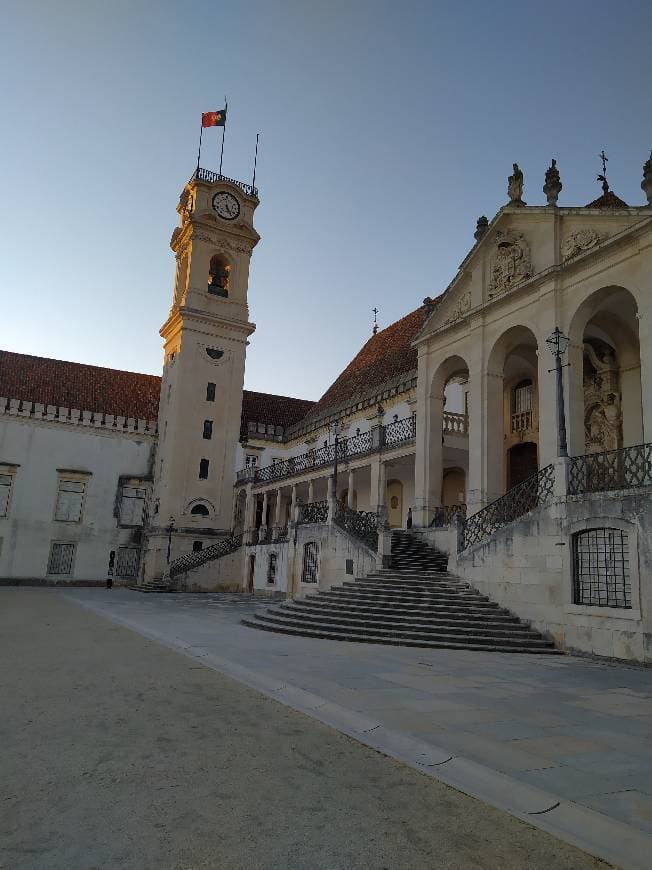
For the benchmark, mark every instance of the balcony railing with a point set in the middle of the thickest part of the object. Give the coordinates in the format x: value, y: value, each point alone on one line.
x: 628, y: 468
x: 455, y: 424
x: 214, y: 177
x: 522, y: 422
x: 313, y: 512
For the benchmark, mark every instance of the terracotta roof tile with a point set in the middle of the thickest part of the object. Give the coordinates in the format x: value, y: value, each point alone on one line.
x: 75, y: 385
x: 272, y: 410
x: 386, y: 356
x: 608, y: 200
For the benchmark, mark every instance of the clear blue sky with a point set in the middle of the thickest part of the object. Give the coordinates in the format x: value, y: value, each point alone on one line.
x: 387, y: 129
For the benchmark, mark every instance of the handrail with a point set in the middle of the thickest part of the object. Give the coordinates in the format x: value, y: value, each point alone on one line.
x: 532, y: 492
x: 215, y: 177
x: 362, y: 525
x: 200, y: 557
x: 626, y: 468
x: 313, y: 512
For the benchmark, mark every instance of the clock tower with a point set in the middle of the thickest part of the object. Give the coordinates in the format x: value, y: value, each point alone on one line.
x: 205, y: 339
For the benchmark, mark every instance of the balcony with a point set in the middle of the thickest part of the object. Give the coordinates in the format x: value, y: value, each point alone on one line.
x: 522, y: 421
x: 215, y: 177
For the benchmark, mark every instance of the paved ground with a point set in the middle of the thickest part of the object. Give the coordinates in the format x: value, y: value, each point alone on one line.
x: 565, y: 728
x: 119, y: 753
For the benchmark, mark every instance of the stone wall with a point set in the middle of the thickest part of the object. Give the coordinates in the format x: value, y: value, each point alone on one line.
x: 527, y: 567
x: 219, y: 575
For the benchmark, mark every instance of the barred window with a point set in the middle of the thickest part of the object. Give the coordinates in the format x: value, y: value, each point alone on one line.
x: 251, y: 460
x: 70, y: 498
x: 271, y: 568
x: 127, y: 562
x: 6, y: 481
x: 310, y: 562
x: 601, y: 568
x: 61, y: 558
x: 132, y: 506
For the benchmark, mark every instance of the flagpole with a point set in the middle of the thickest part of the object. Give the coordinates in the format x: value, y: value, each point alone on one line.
x: 226, y: 114
x: 253, y: 183
x: 201, y: 132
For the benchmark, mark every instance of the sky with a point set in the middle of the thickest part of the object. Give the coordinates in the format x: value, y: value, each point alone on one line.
x: 387, y: 129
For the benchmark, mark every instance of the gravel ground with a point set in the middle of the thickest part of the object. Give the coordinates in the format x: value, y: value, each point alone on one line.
x: 119, y: 753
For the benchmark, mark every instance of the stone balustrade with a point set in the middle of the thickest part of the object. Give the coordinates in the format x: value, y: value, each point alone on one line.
x: 76, y: 417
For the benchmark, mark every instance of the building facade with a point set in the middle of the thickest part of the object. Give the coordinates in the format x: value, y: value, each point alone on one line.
x: 447, y: 422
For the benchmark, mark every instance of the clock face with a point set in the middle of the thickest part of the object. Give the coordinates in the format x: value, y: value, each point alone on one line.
x: 226, y: 205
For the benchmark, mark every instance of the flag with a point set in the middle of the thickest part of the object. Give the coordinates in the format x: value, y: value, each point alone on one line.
x: 214, y: 119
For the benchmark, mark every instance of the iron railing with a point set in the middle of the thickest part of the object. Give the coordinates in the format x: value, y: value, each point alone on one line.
x: 392, y: 435
x: 281, y: 534
x: 200, y: 557
x: 532, y: 492
x: 362, y: 525
x: 313, y: 512
x: 627, y: 468
x: 445, y: 513
x: 214, y: 177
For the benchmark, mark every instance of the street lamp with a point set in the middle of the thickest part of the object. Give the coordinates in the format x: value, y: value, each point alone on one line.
x: 170, y: 530
x: 558, y: 344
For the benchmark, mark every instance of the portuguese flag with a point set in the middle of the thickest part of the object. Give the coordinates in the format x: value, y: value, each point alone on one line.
x: 214, y: 119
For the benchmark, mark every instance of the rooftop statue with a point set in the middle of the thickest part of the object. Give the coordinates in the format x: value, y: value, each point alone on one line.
x: 515, y: 186
x: 552, y: 186
x: 646, y: 184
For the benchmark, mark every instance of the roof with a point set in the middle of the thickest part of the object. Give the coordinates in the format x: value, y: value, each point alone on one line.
x: 80, y: 386
x: 112, y: 391
x: 272, y: 410
x: 608, y: 200
x: 386, y: 356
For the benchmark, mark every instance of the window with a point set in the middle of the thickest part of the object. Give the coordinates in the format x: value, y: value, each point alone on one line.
x: 127, y: 562
x: 271, y: 569
x: 208, y: 430
x: 310, y: 562
x: 203, y: 469
x: 6, y: 481
x: 70, y: 498
x: 132, y: 506
x: 199, y: 510
x: 196, y: 546
x: 210, y: 392
x: 601, y: 568
x: 523, y: 397
x: 251, y: 461
x: 61, y: 558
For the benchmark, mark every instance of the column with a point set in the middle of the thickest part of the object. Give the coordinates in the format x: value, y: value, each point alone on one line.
x: 428, y: 461
x: 277, y: 513
x: 311, y: 491
x: 263, y: 524
x: 349, y: 494
x: 294, y: 502
x: 573, y: 378
x: 645, y: 350
x: 548, y: 446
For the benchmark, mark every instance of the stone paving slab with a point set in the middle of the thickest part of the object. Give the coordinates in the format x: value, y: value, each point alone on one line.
x: 555, y: 712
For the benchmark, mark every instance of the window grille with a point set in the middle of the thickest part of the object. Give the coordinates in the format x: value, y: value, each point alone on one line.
x: 601, y: 568
x: 203, y: 469
x: 310, y: 562
x: 5, y: 491
x: 61, y: 558
x: 271, y: 569
x: 523, y: 398
x: 210, y: 392
x: 69, y: 501
x: 208, y: 430
x: 132, y: 506
x: 127, y: 562
x: 197, y: 546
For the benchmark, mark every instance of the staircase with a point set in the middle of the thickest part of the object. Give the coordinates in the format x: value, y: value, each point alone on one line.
x: 162, y: 585
x: 414, y: 603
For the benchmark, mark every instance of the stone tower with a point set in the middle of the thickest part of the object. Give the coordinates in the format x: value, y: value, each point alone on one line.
x: 205, y: 339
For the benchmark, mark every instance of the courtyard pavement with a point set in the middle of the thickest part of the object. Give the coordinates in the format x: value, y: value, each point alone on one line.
x: 119, y: 754
x: 563, y: 741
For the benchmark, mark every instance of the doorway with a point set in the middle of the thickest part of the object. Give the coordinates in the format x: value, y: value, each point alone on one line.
x: 250, y: 573
x: 522, y: 462
x: 395, y: 504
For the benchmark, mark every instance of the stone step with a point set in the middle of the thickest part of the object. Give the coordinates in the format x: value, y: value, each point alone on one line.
x: 440, y: 643
x: 466, y: 615
x: 390, y: 621
x: 469, y: 598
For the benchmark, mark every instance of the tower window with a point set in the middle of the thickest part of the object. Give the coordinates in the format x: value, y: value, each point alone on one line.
x: 218, y: 277
x: 199, y: 510
x: 208, y: 430
x: 210, y: 392
x: 203, y: 469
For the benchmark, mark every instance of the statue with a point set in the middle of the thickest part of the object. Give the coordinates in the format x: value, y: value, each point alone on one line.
x: 481, y: 228
x: 219, y: 283
x: 603, y: 416
x: 552, y: 186
x: 515, y: 186
x: 646, y: 184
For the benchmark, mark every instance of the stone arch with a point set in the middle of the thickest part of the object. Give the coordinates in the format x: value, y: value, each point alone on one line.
x: 219, y: 275
x: 605, y: 402
x: 200, y: 507
x: 453, y: 487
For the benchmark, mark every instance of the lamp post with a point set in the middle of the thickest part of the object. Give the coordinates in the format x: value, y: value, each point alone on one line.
x: 558, y: 344
x: 170, y: 530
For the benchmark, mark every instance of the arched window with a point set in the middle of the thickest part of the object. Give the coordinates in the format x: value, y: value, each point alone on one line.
x: 199, y: 510
x: 522, y: 397
x: 218, y: 276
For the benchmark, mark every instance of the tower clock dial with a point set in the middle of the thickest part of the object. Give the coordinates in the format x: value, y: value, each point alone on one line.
x: 226, y: 205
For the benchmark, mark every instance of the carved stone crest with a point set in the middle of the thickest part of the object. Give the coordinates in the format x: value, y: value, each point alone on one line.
x: 462, y: 305
x: 511, y: 263
x: 579, y: 241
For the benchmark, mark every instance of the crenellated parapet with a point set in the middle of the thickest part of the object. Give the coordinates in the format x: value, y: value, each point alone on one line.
x: 76, y: 417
